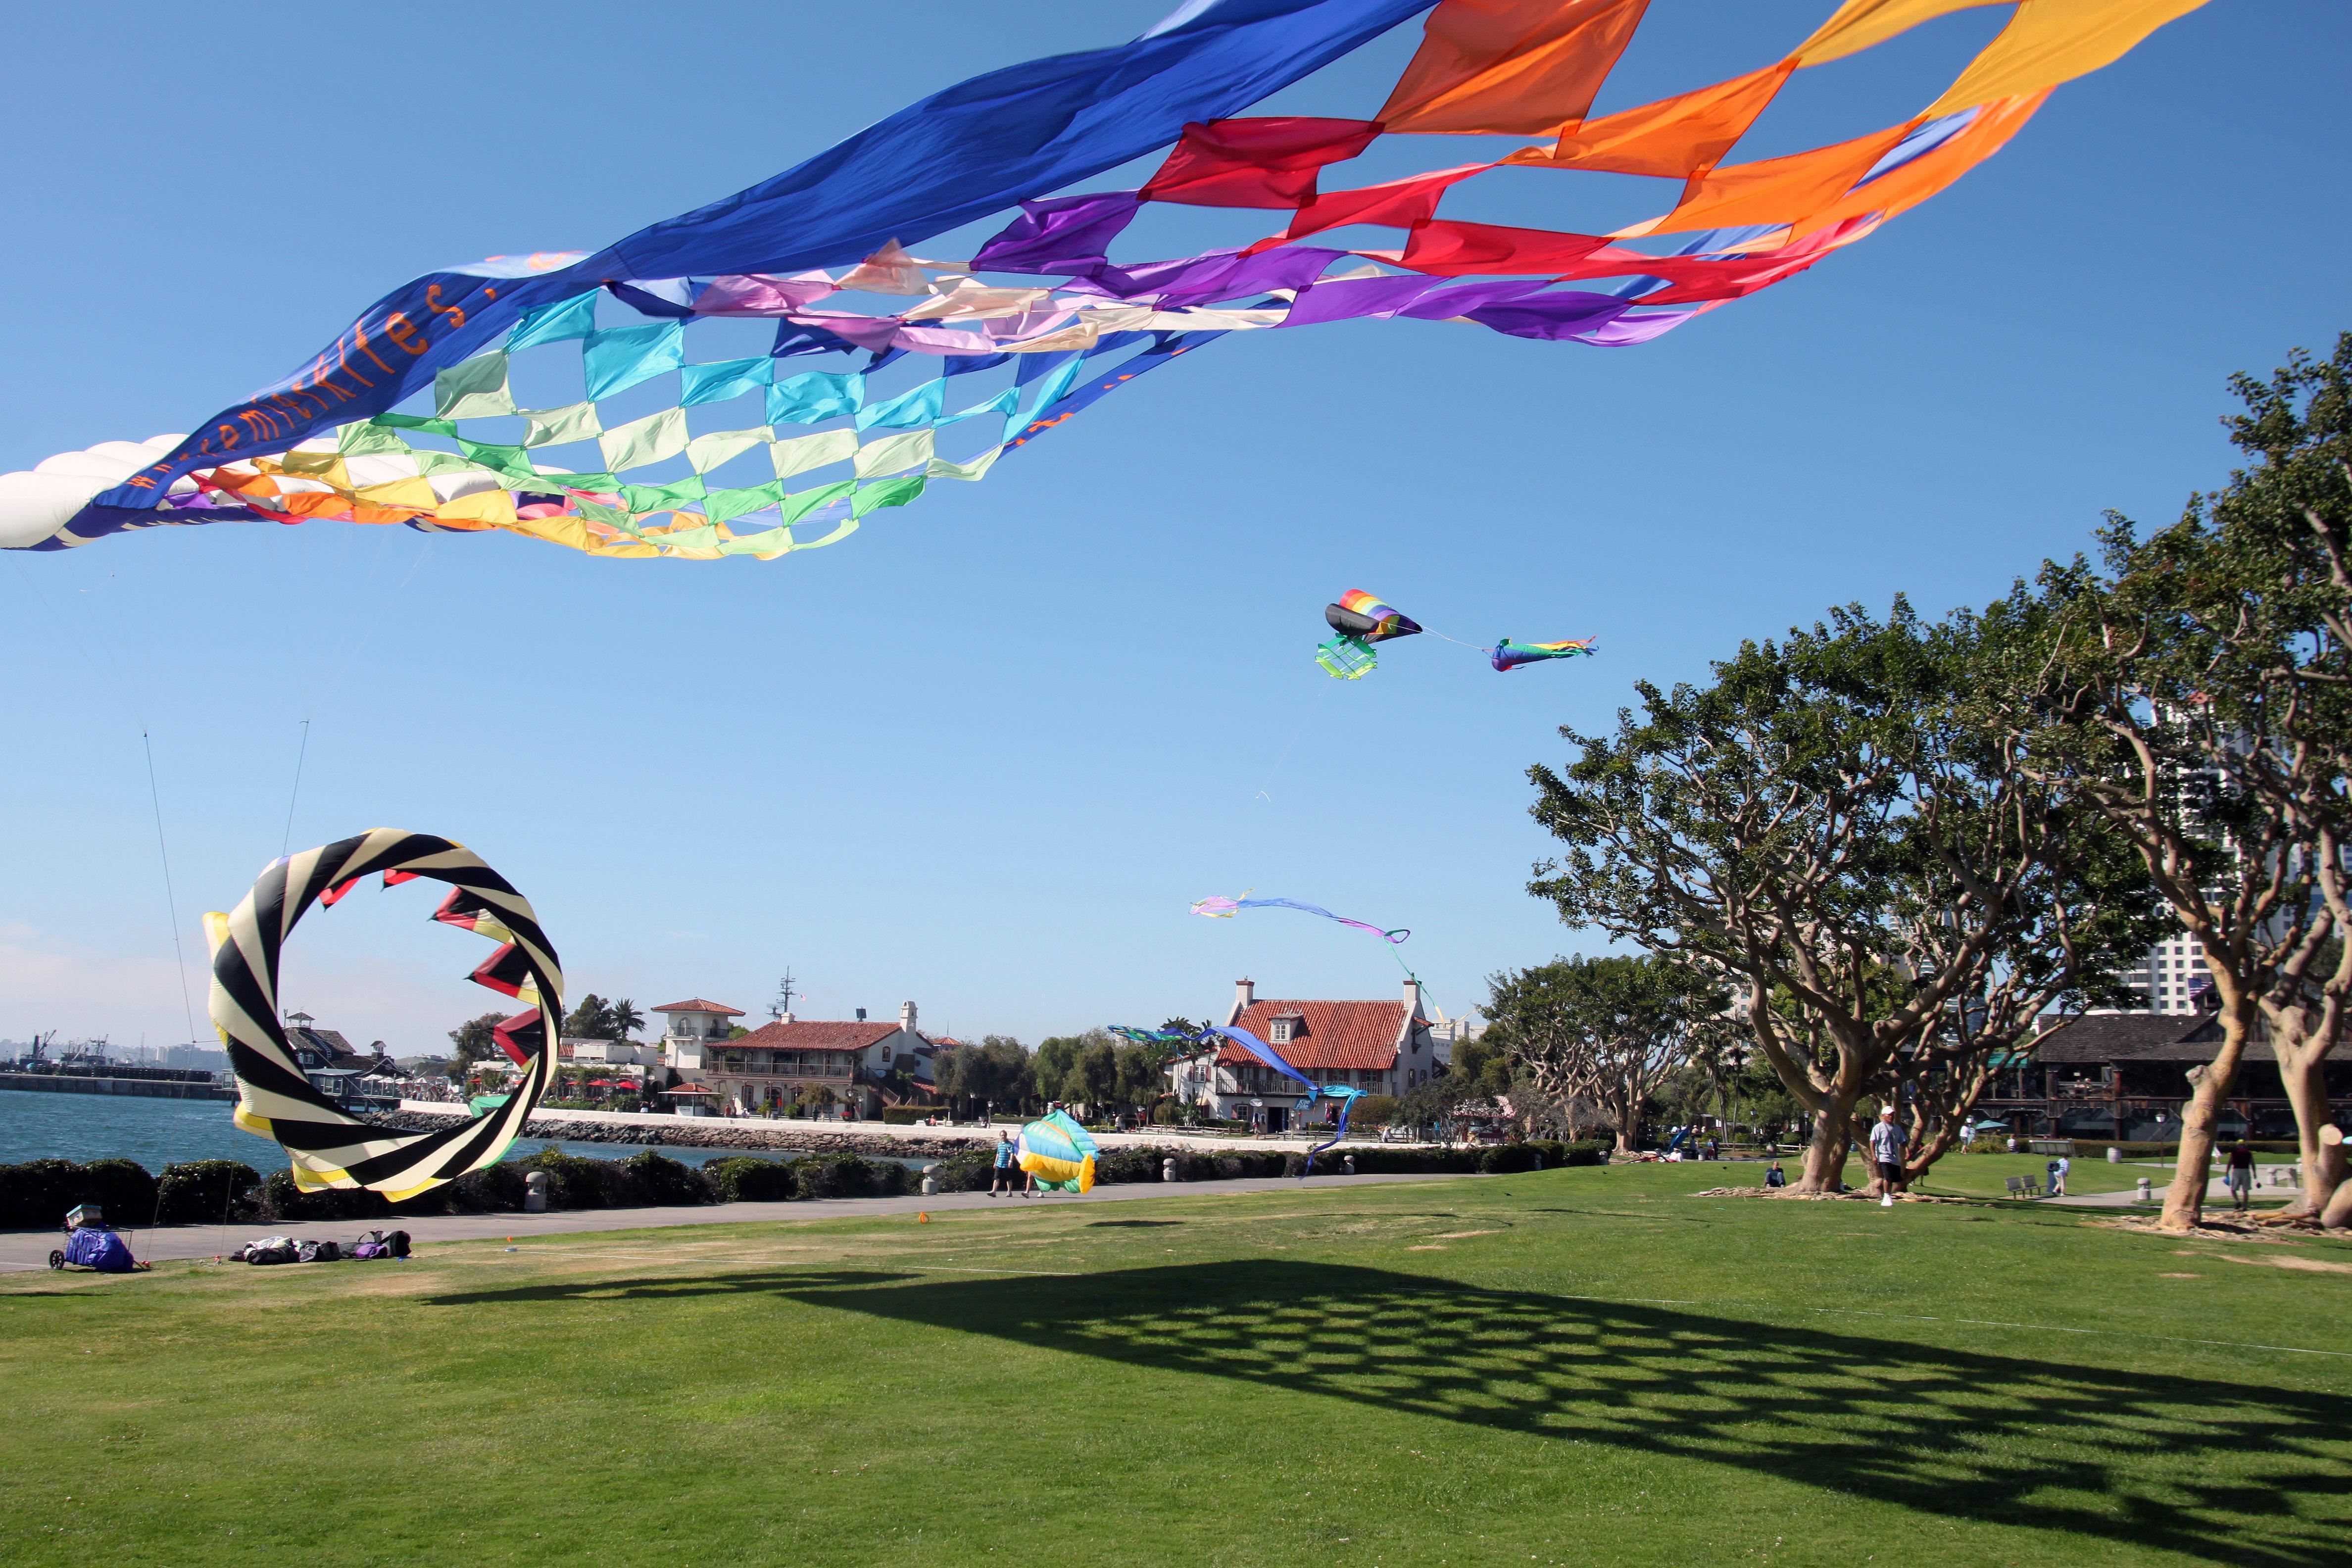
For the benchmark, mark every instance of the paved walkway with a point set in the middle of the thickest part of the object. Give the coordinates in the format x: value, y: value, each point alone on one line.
x: 2160, y: 1177
x: 23, y: 1250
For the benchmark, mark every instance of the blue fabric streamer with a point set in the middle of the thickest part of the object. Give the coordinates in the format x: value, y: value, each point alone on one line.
x: 956, y: 156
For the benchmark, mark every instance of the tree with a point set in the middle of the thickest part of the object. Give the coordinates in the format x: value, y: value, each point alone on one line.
x: 1611, y: 1030
x: 474, y: 1040
x: 1828, y: 823
x: 1139, y: 1079
x: 2200, y: 699
x: 591, y: 1018
x: 995, y: 1071
x: 625, y: 1020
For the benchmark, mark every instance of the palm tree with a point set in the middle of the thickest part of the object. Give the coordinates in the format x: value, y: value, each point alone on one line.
x: 627, y: 1020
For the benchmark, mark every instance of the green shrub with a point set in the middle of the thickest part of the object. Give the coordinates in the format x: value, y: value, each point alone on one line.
x: 972, y: 1172
x: 906, y: 1115
x: 279, y: 1198
x: 203, y: 1192
x: 747, y: 1180
x: 495, y: 1190
x: 574, y: 1181
x: 37, y: 1195
x: 836, y: 1176
x: 648, y: 1179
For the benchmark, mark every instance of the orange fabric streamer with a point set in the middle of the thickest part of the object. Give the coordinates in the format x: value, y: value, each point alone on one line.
x: 1674, y: 138
x: 1524, y: 68
x: 1859, y: 25
x: 1775, y: 190
x: 2050, y: 41
x: 1899, y: 190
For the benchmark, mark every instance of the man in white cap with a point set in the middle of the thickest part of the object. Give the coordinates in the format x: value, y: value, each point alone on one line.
x: 1887, y: 1149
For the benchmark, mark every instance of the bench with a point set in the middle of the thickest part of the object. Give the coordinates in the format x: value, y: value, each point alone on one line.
x: 2016, y: 1187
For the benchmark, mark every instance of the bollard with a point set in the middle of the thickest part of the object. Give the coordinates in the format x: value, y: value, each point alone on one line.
x: 1348, y: 1164
x: 930, y: 1181
x: 2115, y: 1155
x: 2145, y: 1194
x: 534, y: 1194
x: 1168, y: 1168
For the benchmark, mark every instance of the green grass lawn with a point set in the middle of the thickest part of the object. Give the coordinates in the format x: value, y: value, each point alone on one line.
x: 1580, y: 1366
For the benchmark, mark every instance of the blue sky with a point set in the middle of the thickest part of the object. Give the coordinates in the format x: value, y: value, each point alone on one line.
x: 983, y: 754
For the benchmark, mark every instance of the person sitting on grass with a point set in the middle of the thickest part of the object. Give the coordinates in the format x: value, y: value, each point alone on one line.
x: 2240, y: 1177
x: 1776, y: 1177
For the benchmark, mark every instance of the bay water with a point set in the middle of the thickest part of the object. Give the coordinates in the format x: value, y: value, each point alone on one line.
x: 157, y: 1132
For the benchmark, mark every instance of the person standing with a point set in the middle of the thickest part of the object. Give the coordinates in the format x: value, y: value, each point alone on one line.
x: 2058, y: 1168
x: 1887, y: 1149
x: 1002, y: 1186
x: 2239, y: 1178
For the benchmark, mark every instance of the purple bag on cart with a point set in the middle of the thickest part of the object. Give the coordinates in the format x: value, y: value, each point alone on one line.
x: 93, y: 1247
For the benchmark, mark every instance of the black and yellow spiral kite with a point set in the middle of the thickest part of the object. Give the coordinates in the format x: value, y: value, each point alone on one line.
x: 329, y: 1146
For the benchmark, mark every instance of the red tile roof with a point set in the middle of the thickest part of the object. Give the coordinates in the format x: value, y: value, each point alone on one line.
x: 1324, y: 1034
x: 699, y: 1005
x: 809, y: 1034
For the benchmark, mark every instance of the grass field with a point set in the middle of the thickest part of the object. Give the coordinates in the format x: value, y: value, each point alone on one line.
x: 1581, y: 1367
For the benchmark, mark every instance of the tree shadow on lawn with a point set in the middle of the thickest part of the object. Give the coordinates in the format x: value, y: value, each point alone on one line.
x: 2047, y: 1445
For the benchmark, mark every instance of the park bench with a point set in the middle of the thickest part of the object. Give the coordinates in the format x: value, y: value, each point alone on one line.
x: 2016, y: 1187
x: 2032, y: 1188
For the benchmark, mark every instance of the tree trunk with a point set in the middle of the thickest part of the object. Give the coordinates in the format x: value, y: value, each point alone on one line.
x: 2335, y: 1213
x: 1825, y: 1156
x: 2184, y: 1201
x: 2303, y: 1068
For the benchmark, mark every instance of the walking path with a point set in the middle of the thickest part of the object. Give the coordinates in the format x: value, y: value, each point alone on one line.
x: 23, y: 1250
x: 2161, y: 1177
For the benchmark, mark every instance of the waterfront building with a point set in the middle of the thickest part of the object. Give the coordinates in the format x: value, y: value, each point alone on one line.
x: 865, y: 1066
x: 693, y: 1027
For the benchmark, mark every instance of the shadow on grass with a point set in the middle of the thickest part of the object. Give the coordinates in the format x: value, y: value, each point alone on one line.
x: 2229, y: 1472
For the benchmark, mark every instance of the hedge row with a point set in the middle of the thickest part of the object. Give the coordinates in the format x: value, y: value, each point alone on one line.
x: 36, y: 1195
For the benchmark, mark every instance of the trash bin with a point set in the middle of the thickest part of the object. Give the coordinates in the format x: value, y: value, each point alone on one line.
x: 2115, y: 1155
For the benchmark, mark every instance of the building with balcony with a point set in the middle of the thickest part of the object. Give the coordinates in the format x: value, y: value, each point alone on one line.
x: 865, y: 1066
x: 690, y: 1028
x: 2126, y: 1076
x: 1380, y: 1048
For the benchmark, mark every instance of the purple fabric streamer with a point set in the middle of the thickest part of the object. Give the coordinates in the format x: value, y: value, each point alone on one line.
x: 1629, y: 330
x: 1349, y: 297
x: 1066, y: 234
x: 1550, y: 318
x: 1451, y: 302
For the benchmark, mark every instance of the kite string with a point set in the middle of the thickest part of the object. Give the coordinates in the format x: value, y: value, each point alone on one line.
x: 286, y: 841
x: 154, y: 791
x: 1322, y: 691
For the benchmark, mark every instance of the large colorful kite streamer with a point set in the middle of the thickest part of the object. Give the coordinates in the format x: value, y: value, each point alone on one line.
x: 1216, y: 1034
x: 1219, y: 908
x: 327, y: 1145
x: 434, y: 408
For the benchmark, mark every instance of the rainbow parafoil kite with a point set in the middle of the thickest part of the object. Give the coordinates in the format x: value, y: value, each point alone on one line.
x: 589, y: 399
x: 1058, y: 1153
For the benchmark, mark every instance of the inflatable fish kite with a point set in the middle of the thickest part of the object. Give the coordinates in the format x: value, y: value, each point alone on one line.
x: 1058, y: 1153
x: 575, y: 397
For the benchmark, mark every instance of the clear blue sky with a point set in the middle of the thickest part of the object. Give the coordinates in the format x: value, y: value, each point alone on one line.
x: 983, y: 754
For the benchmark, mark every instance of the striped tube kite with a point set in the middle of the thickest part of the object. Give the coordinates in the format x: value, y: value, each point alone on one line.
x: 573, y: 398
x: 1058, y: 1153
x: 330, y: 1147
x: 1507, y: 656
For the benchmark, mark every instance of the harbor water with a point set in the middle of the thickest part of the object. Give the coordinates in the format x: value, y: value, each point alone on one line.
x: 159, y: 1133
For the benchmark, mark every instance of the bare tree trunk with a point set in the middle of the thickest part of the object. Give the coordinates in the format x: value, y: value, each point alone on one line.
x: 2303, y: 1068
x: 1825, y: 1156
x: 2336, y: 1212
x: 2184, y: 1201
